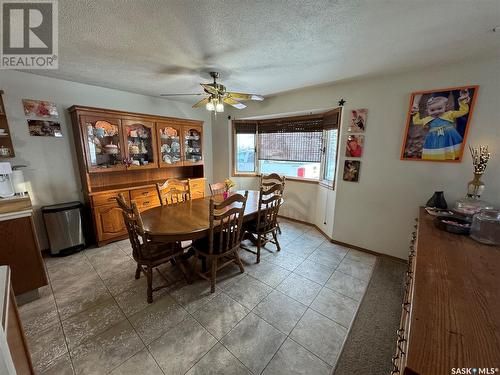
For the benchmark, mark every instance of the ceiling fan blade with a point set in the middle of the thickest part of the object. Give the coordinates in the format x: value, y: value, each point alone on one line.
x: 234, y: 103
x: 200, y: 93
x: 243, y: 96
x: 210, y: 89
x: 201, y: 103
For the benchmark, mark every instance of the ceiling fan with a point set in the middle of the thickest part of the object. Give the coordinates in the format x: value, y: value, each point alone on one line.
x: 217, y: 96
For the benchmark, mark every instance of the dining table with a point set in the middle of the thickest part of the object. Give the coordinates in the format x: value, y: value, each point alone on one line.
x: 189, y: 220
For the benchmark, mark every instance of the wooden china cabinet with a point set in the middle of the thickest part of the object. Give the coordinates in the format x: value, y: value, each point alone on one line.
x: 128, y: 153
x: 192, y: 137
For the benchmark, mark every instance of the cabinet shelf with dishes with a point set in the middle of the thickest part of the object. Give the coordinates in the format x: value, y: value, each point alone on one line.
x: 140, y: 139
x: 129, y: 152
x: 6, y: 145
x: 170, y: 144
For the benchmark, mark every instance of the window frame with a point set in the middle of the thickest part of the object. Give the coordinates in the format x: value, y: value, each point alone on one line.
x: 321, y: 180
x: 236, y: 173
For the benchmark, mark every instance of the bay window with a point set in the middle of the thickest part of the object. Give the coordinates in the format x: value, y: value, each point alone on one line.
x: 300, y: 147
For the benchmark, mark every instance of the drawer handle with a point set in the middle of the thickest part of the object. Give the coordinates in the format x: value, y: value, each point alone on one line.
x: 145, y: 193
x: 112, y: 199
x: 145, y: 203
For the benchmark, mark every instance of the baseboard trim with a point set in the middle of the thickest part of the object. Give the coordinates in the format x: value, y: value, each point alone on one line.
x: 344, y: 243
x: 368, y: 251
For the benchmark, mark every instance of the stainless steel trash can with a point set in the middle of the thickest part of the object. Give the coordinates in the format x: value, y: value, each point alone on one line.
x: 63, y: 223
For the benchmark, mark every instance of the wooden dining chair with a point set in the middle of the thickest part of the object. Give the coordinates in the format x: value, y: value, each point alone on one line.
x: 221, y: 247
x: 268, y: 181
x: 173, y: 191
x: 264, y: 228
x: 147, y: 252
x: 217, y: 188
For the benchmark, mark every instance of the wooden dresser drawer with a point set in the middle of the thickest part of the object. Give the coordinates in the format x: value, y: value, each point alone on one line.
x: 108, y: 198
x: 145, y: 203
x: 149, y: 192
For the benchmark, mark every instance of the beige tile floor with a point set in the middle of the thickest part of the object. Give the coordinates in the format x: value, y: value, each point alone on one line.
x: 289, y: 314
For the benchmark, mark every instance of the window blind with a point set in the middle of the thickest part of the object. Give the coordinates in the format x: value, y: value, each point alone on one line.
x: 295, y: 139
x: 291, y: 139
x: 245, y: 127
x: 301, y: 147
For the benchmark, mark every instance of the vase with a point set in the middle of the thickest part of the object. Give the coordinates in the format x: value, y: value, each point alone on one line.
x: 475, y: 187
x: 437, y: 201
x: 225, y: 194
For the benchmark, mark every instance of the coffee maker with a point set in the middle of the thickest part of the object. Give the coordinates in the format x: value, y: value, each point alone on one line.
x: 6, y: 188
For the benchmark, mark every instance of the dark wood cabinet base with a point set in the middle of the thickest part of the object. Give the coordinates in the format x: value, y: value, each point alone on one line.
x: 20, y: 251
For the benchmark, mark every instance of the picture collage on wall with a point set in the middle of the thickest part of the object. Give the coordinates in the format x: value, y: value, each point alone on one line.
x: 355, y: 144
x: 40, y: 115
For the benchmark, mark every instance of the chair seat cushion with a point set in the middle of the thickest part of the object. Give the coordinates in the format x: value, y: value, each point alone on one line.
x: 159, y: 250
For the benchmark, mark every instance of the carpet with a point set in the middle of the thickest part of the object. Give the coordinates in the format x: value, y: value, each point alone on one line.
x: 371, y: 342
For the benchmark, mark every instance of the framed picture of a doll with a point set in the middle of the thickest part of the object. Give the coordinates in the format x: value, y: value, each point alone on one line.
x: 437, y: 124
x: 357, y: 120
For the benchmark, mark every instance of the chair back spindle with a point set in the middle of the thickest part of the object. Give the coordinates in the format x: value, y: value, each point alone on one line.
x: 135, y: 228
x: 217, y: 188
x: 268, y: 181
x: 226, y: 222
x: 174, y: 191
x: 270, y: 201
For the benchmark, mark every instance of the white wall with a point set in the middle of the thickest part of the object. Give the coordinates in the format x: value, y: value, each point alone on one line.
x: 52, y: 171
x: 377, y: 213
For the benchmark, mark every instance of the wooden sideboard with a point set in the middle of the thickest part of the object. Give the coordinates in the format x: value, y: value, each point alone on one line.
x: 451, y: 309
x: 128, y: 153
x: 19, y: 248
x: 108, y: 217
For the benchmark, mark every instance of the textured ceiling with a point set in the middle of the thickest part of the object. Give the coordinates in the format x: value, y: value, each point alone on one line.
x: 263, y: 46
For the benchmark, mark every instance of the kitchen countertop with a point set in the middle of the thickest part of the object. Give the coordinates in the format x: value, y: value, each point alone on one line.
x: 14, y: 207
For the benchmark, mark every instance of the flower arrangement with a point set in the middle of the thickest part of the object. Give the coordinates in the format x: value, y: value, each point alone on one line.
x: 480, y: 157
x: 228, y: 184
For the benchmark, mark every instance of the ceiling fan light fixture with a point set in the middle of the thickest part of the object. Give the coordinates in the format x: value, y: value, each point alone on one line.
x: 219, y: 107
x: 210, y: 106
x: 216, y: 96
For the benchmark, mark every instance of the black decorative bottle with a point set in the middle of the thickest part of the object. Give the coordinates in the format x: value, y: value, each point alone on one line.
x: 437, y: 201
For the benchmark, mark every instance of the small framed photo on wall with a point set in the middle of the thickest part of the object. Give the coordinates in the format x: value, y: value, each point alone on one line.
x: 357, y: 120
x: 40, y: 108
x: 351, y: 170
x: 354, y: 145
x: 42, y: 128
x: 437, y: 124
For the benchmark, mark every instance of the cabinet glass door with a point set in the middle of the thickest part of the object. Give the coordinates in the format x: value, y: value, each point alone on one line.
x: 103, y: 143
x: 193, y: 146
x: 140, y: 141
x: 169, y: 143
